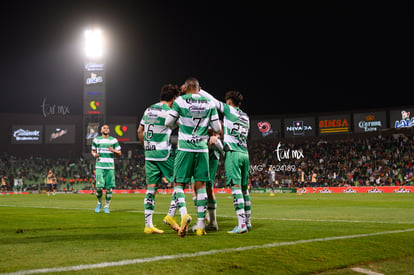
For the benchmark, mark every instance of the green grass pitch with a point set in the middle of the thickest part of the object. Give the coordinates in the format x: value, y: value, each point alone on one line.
x: 292, y: 234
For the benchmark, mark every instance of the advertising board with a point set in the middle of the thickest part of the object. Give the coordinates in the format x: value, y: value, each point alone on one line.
x: 334, y: 124
x: 265, y: 128
x: 299, y: 127
x: 27, y: 134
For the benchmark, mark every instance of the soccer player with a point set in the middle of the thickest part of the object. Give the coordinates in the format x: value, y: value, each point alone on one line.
x: 236, y: 162
x: 159, y: 156
x: 194, y: 114
x: 51, y: 183
x: 104, y: 148
x: 4, y: 184
x: 215, y: 149
x: 18, y: 184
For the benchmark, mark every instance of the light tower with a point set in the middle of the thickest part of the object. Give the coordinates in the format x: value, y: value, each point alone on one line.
x: 94, y: 90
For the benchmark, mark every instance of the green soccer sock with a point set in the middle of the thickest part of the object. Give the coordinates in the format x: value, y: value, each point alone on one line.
x: 173, y: 205
x: 99, y: 195
x: 108, y: 197
x: 201, y: 203
x: 179, y: 194
x: 211, y: 207
x: 247, y: 205
x: 149, y: 206
x: 238, y: 203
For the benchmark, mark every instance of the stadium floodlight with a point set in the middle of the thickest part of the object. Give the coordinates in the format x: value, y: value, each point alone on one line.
x: 93, y: 43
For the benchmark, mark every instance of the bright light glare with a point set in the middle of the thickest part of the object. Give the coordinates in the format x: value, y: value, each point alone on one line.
x: 93, y: 43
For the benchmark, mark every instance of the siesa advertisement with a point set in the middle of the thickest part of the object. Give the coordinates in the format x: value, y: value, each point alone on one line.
x: 299, y: 127
x: 26, y: 134
x: 402, y: 118
x: 370, y: 122
x: 265, y: 128
x: 334, y: 124
x: 60, y: 134
x: 126, y: 132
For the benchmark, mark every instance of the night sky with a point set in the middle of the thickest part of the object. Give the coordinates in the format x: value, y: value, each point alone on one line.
x: 331, y: 61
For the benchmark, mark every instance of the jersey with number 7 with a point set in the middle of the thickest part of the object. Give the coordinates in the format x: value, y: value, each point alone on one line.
x: 194, y: 114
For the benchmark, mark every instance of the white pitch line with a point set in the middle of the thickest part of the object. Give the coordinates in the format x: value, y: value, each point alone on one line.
x: 222, y: 216
x: 365, y: 271
x: 198, y: 254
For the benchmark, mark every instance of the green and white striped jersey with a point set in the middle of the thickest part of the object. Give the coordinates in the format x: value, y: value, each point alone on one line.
x: 236, y: 128
x: 106, y: 157
x: 157, y: 137
x: 236, y: 125
x: 194, y: 113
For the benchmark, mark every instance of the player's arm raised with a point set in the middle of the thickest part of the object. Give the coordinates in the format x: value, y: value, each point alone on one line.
x: 217, y: 103
x: 171, y: 119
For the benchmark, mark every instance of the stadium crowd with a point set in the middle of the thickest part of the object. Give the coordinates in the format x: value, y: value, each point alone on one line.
x: 371, y: 161
x: 374, y: 161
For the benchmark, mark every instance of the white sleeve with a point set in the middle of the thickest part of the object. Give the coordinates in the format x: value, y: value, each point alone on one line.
x: 217, y: 103
x: 219, y: 146
x: 171, y: 119
x: 215, y: 125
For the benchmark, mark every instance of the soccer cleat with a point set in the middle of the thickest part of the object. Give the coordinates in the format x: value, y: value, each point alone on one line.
x: 200, y: 232
x: 212, y: 227
x: 238, y: 230
x: 172, y: 222
x: 106, y: 210
x: 152, y: 230
x: 98, y: 208
x: 185, y: 221
x: 249, y: 226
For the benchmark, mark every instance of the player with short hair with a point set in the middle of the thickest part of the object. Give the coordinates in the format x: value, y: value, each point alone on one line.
x: 104, y: 148
x: 159, y: 156
x: 194, y: 114
x: 236, y: 163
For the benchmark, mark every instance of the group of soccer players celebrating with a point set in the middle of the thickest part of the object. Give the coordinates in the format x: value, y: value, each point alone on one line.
x: 199, y: 148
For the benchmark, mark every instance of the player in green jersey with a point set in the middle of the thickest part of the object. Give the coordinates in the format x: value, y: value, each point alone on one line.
x: 159, y: 156
x: 103, y: 150
x: 236, y: 163
x: 194, y: 114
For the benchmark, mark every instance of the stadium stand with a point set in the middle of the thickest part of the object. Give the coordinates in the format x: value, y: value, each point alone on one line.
x: 381, y: 159
x: 376, y: 160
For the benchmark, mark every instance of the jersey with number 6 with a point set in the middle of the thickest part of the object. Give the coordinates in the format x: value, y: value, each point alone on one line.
x: 195, y: 113
x: 157, y: 137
